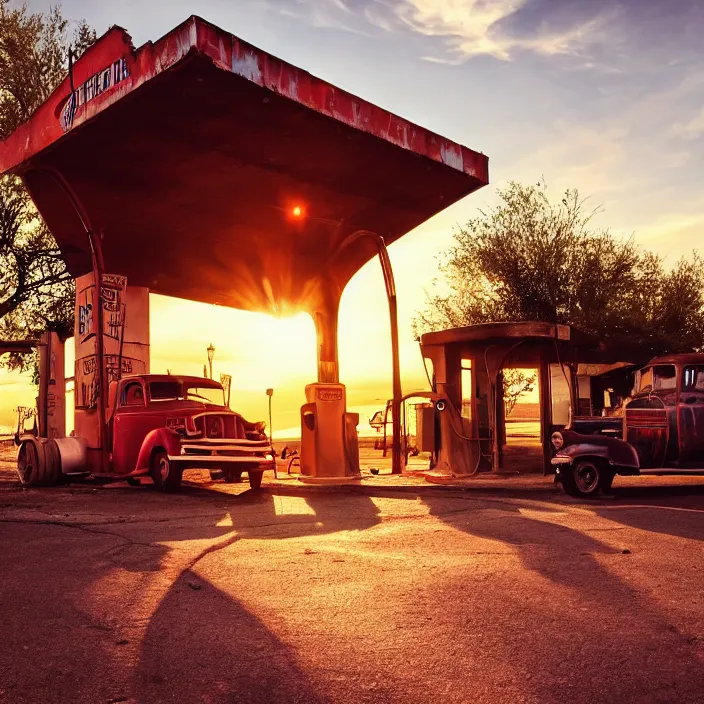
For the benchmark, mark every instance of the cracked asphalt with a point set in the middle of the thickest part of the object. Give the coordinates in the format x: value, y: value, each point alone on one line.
x: 218, y: 595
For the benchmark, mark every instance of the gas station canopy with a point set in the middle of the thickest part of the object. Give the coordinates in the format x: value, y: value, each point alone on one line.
x: 216, y: 172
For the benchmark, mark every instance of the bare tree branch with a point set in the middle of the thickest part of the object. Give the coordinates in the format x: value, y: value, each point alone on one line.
x: 36, y: 290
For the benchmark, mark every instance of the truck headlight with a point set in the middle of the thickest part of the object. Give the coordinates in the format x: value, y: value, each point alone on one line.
x: 557, y: 440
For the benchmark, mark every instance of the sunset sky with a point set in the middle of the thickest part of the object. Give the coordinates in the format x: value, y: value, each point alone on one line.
x: 606, y: 97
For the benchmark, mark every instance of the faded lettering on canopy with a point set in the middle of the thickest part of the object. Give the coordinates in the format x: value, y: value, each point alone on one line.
x: 99, y: 83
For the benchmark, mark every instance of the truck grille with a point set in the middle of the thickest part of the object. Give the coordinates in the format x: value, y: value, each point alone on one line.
x: 214, y: 427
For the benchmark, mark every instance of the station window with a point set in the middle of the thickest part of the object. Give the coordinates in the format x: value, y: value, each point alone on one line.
x: 430, y: 371
x: 466, y: 389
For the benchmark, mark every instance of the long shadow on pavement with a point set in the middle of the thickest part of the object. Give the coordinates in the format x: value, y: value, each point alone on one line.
x: 201, y: 645
x: 596, y: 637
x: 80, y: 599
x: 677, y: 511
x: 233, y: 657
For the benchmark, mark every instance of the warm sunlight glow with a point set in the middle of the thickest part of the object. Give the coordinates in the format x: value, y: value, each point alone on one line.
x: 297, y: 211
x: 285, y: 350
x: 259, y: 351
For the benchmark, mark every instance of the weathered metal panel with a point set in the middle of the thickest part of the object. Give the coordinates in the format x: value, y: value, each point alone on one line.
x: 195, y: 149
x: 228, y: 53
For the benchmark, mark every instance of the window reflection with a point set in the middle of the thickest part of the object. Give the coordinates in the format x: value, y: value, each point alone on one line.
x: 693, y: 378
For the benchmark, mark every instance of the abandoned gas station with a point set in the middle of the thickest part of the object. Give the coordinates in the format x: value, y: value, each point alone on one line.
x: 579, y: 379
x: 202, y: 168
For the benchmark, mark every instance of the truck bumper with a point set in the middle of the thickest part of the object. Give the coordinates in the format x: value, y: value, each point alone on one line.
x: 247, y: 454
x: 208, y: 462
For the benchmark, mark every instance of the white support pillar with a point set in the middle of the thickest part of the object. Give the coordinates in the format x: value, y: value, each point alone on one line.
x: 52, y: 387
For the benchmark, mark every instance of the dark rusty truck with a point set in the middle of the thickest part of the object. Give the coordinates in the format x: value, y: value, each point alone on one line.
x: 662, y: 431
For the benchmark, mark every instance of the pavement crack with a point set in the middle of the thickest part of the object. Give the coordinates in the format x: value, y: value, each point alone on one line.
x: 210, y: 550
x: 75, y: 526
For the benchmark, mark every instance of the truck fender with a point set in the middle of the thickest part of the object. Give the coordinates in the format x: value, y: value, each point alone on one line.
x: 618, y: 453
x: 161, y: 437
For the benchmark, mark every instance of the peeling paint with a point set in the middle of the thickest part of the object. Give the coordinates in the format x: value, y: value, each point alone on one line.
x: 247, y: 66
x: 404, y: 137
x: 451, y: 156
x: 292, y: 87
x: 193, y: 33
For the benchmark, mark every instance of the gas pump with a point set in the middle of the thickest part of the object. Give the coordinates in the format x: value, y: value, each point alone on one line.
x: 329, y: 445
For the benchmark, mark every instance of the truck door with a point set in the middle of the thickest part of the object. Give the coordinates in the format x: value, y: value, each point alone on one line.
x: 649, y: 416
x: 128, y: 427
x: 691, y: 414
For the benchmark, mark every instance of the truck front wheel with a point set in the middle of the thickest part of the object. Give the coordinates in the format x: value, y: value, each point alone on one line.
x: 165, y: 474
x: 255, y: 479
x: 586, y: 478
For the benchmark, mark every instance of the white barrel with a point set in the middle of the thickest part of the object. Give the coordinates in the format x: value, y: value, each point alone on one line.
x: 73, y: 454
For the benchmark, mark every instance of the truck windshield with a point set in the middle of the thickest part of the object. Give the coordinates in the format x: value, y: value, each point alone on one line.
x: 660, y: 378
x: 207, y: 394
x: 693, y: 378
x: 177, y: 391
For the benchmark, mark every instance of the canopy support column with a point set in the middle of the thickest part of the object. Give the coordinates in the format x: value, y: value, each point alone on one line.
x: 545, y: 398
x: 52, y: 387
x: 325, y: 318
x: 389, y: 283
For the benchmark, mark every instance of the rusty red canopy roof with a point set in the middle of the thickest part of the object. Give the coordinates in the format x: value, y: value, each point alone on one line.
x: 191, y: 153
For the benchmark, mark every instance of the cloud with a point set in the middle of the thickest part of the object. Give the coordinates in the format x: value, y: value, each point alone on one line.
x: 674, y: 233
x: 378, y: 17
x: 464, y: 29
x: 490, y: 27
x: 592, y: 158
x: 322, y: 14
x: 692, y: 129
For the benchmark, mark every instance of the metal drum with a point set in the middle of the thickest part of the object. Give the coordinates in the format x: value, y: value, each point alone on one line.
x: 73, y: 455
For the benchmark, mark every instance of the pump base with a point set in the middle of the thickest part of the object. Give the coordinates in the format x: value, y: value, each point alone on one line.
x: 330, y: 480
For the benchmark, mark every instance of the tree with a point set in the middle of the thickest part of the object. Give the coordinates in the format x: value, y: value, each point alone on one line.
x: 516, y: 384
x: 36, y: 290
x: 530, y: 259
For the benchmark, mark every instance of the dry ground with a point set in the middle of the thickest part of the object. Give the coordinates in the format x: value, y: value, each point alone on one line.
x: 220, y: 595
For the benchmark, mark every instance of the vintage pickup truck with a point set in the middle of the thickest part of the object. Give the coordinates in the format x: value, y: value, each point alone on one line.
x: 662, y: 431
x: 159, y: 426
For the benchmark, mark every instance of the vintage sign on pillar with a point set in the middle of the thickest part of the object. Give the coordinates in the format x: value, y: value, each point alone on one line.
x: 125, y: 334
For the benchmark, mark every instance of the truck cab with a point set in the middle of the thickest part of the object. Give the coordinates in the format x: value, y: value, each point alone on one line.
x: 162, y: 424
x: 663, y: 431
